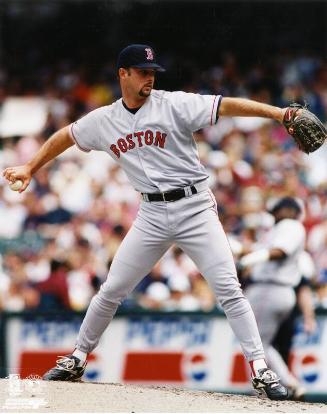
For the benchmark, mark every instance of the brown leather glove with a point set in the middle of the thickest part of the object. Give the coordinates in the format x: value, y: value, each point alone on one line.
x: 307, y: 130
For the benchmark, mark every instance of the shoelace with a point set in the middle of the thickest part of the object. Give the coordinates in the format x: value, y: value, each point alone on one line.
x: 65, y: 363
x: 269, y: 377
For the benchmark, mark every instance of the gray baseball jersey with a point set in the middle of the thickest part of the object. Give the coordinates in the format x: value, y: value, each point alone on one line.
x: 289, y: 236
x: 156, y: 149
x: 155, y: 146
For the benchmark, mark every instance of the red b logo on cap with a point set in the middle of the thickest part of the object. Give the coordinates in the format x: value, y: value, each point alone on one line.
x: 149, y: 53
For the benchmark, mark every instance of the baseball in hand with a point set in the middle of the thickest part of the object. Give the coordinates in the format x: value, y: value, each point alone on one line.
x: 16, y: 185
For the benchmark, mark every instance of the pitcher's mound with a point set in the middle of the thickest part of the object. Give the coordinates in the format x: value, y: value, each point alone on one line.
x: 93, y: 398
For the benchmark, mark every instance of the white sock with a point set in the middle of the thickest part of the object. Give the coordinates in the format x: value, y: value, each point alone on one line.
x: 256, y: 365
x: 80, y: 355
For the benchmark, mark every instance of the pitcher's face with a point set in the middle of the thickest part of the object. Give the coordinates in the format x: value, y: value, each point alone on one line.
x: 137, y: 82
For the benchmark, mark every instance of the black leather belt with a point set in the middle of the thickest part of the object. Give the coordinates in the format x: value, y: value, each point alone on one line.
x: 169, y: 196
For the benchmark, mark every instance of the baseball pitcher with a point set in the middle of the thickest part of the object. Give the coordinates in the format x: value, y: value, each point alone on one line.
x: 149, y: 133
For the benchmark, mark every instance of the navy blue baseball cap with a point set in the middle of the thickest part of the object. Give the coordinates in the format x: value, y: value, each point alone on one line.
x: 138, y: 56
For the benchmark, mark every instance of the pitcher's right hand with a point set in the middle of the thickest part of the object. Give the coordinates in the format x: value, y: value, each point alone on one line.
x: 22, y: 172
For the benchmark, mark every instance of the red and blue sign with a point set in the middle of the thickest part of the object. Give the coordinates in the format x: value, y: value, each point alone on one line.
x: 173, y: 367
x: 309, y: 368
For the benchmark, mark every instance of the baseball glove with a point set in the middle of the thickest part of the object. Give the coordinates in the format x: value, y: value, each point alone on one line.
x: 307, y: 130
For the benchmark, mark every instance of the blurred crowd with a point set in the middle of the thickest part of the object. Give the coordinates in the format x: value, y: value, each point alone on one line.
x: 58, y: 238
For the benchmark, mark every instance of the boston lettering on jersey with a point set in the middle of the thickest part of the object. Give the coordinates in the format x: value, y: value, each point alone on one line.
x: 139, y: 139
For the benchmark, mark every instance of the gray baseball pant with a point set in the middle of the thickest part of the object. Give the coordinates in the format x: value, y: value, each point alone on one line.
x: 271, y: 305
x: 193, y: 225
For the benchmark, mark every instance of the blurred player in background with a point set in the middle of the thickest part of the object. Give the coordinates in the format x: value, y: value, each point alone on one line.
x: 304, y: 306
x: 274, y: 274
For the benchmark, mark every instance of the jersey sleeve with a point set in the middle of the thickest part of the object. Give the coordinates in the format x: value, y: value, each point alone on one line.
x: 86, y: 132
x: 197, y: 111
x: 289, y: 236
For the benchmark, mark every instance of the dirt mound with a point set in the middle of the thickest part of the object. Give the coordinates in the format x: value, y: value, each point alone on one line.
x: 92, y: 398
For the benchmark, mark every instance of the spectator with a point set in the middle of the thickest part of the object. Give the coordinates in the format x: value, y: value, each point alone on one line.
x: 54, y: 290
x: 86, y: 198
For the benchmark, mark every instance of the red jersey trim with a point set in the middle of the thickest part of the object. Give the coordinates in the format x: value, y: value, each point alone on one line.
x: 218, y: 106
x: 75, y: 140
x: 215, y: 109
x: 212, y: 111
